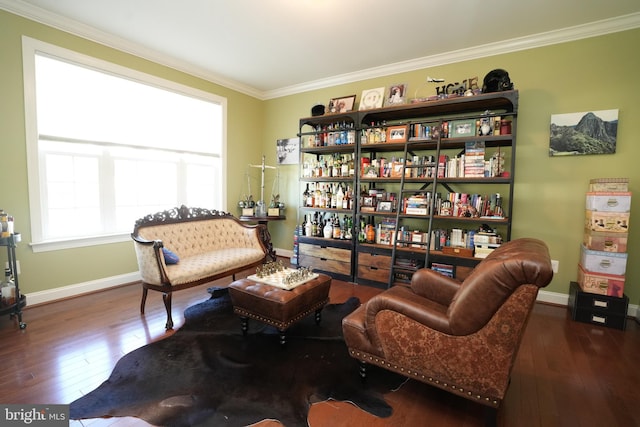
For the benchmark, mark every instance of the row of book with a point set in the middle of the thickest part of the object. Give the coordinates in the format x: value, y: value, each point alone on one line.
x: 471, y: 163
x: 462, y: 205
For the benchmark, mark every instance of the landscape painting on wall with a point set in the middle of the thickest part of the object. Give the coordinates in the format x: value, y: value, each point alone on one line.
x: 576, y: 134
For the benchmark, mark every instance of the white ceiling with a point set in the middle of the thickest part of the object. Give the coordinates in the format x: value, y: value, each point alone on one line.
x: 269, y: 48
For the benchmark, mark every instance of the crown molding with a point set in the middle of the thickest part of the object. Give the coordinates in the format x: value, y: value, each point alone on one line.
x: 593, y: 29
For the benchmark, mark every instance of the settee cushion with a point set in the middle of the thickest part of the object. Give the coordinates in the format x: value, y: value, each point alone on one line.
x: 210, y: 263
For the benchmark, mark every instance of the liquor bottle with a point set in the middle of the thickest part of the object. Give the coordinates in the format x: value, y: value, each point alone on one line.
x: 303, y: 225
x: 337, y: 231
x: 308, y: 227
x: 333, y: 198
x: 327, y: 230
x: 346, y: 200
x: 318, y: 197
x: 344, y: 166
x: 305, y: 196
x: 361, y: 231
x: 370, y: 233
x: 339, y: 197
x: 351, y: 134
x: 314, y: 225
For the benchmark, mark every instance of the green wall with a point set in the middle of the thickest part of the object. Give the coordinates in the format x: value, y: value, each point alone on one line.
x: 593, y: 74
x: 48, y: 270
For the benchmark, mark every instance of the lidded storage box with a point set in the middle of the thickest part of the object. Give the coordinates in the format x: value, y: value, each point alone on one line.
x: 605, y: 241
x: 609, y: 184
x: 603, y: 262
x: 616, y: 222
x: 601, y: 283
x: 608, y: 202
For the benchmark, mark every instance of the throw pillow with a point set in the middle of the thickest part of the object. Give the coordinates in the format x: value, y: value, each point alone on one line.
x: 170, y: 257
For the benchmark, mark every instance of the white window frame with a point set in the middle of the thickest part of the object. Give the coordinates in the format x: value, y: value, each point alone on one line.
x: 30, y: 47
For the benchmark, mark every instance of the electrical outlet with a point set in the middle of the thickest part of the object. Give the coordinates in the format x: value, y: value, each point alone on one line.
x: 554, y: 265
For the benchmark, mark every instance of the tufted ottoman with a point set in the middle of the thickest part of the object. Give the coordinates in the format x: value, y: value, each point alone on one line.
x: 278, y: 307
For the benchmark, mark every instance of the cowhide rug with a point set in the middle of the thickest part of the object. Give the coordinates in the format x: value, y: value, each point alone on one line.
x: 209, y: 374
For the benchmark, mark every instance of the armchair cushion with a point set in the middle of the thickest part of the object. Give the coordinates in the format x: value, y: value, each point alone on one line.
x: 434, y: 286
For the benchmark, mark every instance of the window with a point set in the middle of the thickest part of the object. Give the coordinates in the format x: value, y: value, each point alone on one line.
x: 107, y: 145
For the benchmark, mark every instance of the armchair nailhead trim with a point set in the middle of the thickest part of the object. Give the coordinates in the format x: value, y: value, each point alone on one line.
x: 380, y: 362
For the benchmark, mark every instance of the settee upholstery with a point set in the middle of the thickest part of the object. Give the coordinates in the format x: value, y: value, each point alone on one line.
x: 209, y: 245
x: 462, y: 337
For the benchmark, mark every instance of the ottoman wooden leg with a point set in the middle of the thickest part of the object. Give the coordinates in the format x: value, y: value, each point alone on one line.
x: 244, y: 323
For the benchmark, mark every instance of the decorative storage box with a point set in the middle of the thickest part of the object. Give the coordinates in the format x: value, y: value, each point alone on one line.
x: 609, y: 184
x: 608, y: 202
x: 617, y: 222
x: 605, y: 241
x: 598, y: 309
x: 600, y: 283
x: 603, y: 262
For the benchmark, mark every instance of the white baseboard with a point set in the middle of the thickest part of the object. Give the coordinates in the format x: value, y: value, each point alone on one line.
x: 50, y: 295
x: 563, y: 299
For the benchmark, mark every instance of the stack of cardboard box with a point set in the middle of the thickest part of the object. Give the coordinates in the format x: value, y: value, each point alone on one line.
x: 603, y: 257
x: 598, y: 295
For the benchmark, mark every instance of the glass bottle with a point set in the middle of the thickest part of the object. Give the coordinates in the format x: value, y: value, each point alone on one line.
x: 305, y: 197
x: 308, y: 227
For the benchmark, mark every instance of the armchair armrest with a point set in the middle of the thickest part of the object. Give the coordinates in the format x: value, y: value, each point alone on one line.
x: 434, y: 286
x: 402, y: 300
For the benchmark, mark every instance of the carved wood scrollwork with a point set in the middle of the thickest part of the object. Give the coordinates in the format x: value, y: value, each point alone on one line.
x: 265, y: 237
x: 178, y: 214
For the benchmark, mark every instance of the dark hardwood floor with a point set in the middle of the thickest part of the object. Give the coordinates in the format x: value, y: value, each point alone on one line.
x: 566, y: 373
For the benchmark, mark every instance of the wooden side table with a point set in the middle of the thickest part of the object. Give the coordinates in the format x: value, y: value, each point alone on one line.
x: 265, y: 221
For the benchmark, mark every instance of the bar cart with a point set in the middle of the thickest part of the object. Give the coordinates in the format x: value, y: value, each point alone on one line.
x: 14, y: 309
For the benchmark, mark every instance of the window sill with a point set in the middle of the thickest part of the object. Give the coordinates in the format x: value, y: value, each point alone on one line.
x: 55, y: 245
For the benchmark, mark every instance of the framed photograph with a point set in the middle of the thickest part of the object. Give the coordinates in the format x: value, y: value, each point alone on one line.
x: 397, y: 133
x: 574, y: 134
x: 385, y: 206
x: 371, y: 98
x: 342, y: 105
x: 288, y: 151
x: 462, y: 128
x: 397, y: 94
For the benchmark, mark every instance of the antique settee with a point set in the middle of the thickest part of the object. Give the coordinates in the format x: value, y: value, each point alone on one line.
x: 462, y: 337
x: 185, y: 247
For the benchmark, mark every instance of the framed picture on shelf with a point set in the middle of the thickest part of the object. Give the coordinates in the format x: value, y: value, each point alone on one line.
x: 462, y: 128
x: 342, y: 105
x: 397, y: 133
x: 397, y: 94
x: 385, y: 206
x: 371, y: 98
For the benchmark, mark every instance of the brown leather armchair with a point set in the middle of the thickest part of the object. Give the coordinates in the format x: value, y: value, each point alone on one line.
x: 460, y: 336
